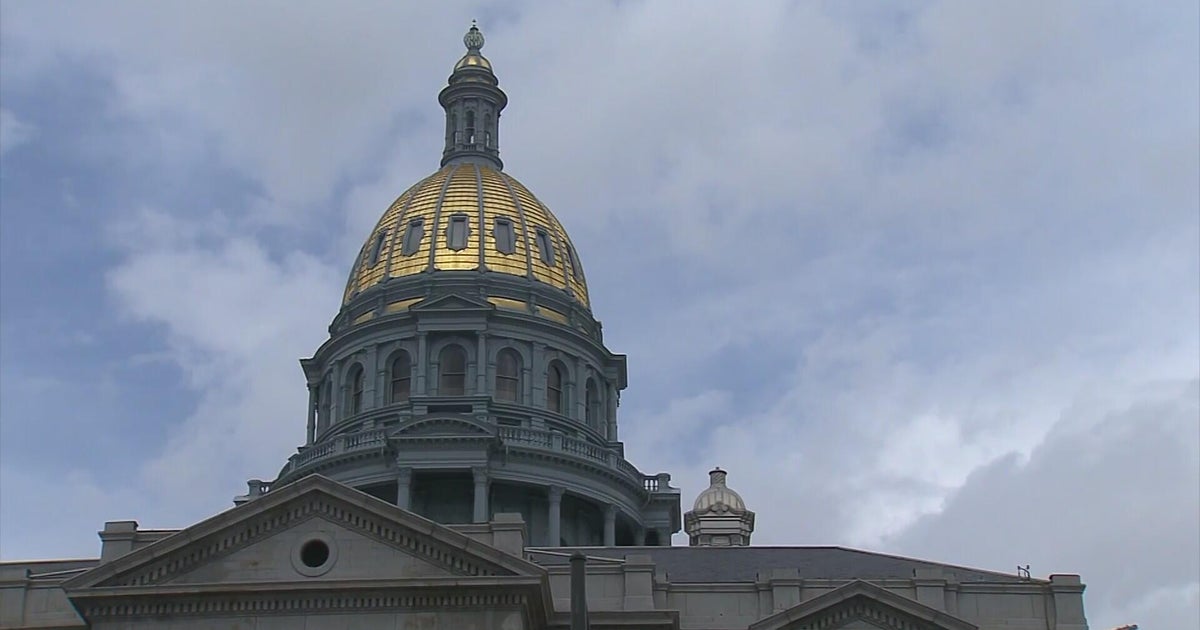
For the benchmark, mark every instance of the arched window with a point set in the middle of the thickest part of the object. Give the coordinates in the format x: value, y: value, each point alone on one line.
x: 554, y: 388
x: 452, y: 371
x: 470, y: 127
x: 401, y: 375
x: 592, y: 406
x: 354, y: 404
x: 508, y: 375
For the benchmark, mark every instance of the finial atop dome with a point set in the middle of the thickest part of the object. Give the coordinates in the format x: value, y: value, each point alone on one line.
x: 473, y: 39
x: 716, y: 476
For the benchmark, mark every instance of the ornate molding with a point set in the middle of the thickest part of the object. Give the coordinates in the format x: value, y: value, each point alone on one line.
x: 247, y: 533
x: 298, y: 603
x: 862, y: 609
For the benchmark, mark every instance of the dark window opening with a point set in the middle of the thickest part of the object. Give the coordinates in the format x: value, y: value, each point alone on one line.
x: 356, y: 391
x: 452, y: 372
x: 575, y: 270
x: 457, y: 232
x: 401, y: 374
x: 314, y: 553
x: 592, y: 405
x: 470, y: 127
x: 412, y: 237
x: 554, y: 389
x: 545, y: 246
x: 377, y: 248
x: 508, y: 376
x: 505, y: 238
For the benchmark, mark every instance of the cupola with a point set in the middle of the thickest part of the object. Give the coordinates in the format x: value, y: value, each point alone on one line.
x: 719, y: 517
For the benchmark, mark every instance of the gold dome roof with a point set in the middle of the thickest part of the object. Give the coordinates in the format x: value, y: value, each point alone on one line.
x: 469, y: 217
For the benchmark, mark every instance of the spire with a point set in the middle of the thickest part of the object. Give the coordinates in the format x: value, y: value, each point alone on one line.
x: 473, y: 101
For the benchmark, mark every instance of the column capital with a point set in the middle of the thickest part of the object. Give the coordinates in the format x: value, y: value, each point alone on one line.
x: 480, y: 473
x: 555, y: 493
x: 610, y: 511
x: 404, y: 474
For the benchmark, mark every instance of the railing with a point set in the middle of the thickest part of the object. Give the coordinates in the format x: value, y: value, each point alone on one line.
x: 522, y: 435
x: 345, y: 443
x: 541, y: 439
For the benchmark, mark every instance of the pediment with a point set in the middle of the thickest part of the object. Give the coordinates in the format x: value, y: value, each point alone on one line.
x: 263, y: 541
x: 862, y: 606
x: 443, y: 426
x: 452, y: 302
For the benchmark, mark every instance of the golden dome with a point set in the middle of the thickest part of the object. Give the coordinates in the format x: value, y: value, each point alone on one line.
x: 471, y: 60
x: 469, y: 217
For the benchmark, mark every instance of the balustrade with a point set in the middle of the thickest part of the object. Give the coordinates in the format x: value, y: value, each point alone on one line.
x: 516, y: 436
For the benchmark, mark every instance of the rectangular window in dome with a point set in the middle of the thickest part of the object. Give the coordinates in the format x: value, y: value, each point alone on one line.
x: 377, y: 247
x: 575, y: 270
x: 412, y: 237
x: 505, y: 239
x: 545, y: 246
x: 456, y: 232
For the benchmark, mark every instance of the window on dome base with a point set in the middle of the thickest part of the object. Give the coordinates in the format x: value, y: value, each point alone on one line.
x: 554, y: 389
x: 592, y: 405
x: 506, y: 242
x: 412, y: 237
x: 508, y: 376
x: 401, y: 375
x: 355, y: 402
x: 452, y: 372
x: 457, y: 232
x: 545, y: 246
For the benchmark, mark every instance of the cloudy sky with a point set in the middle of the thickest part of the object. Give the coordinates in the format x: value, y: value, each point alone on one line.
x: 924, y: 277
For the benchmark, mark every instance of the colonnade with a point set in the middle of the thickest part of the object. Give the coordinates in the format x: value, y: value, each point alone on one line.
x: 554, y: 496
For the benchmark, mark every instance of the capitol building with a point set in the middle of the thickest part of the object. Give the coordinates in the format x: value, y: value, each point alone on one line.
x: 463, y: 468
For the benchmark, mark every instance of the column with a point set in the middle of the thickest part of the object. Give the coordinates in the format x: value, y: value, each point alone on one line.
x: 481, y: 364
x: 422, y: 364
x: 337, y: 400
x: 537, y: 382
x: 312, y: 411
x: 639, y: 535
x: 404, y: 487
x: 481, y: 494
x: 579, y: 386
x: 664, y: 536
x: 610, y: 525
x: 371, y: 377
x: 610, y: 406
x: 554, y: 515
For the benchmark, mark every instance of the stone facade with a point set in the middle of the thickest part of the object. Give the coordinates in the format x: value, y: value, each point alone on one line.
x: 318, y: 554
x: 462, y: 444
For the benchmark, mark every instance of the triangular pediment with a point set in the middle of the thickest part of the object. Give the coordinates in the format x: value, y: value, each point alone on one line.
x: 355, y: 537
x: 452, y: 302
x: 862, y: 606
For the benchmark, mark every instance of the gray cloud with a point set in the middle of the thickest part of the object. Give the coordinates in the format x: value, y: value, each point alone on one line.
x: 867, y: 259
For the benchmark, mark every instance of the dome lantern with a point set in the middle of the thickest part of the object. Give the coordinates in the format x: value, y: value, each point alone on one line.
x: 473, y: 101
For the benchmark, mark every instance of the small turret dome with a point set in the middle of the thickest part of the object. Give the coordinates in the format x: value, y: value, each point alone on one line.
x: 719, y: 517
x: 718, y: 497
